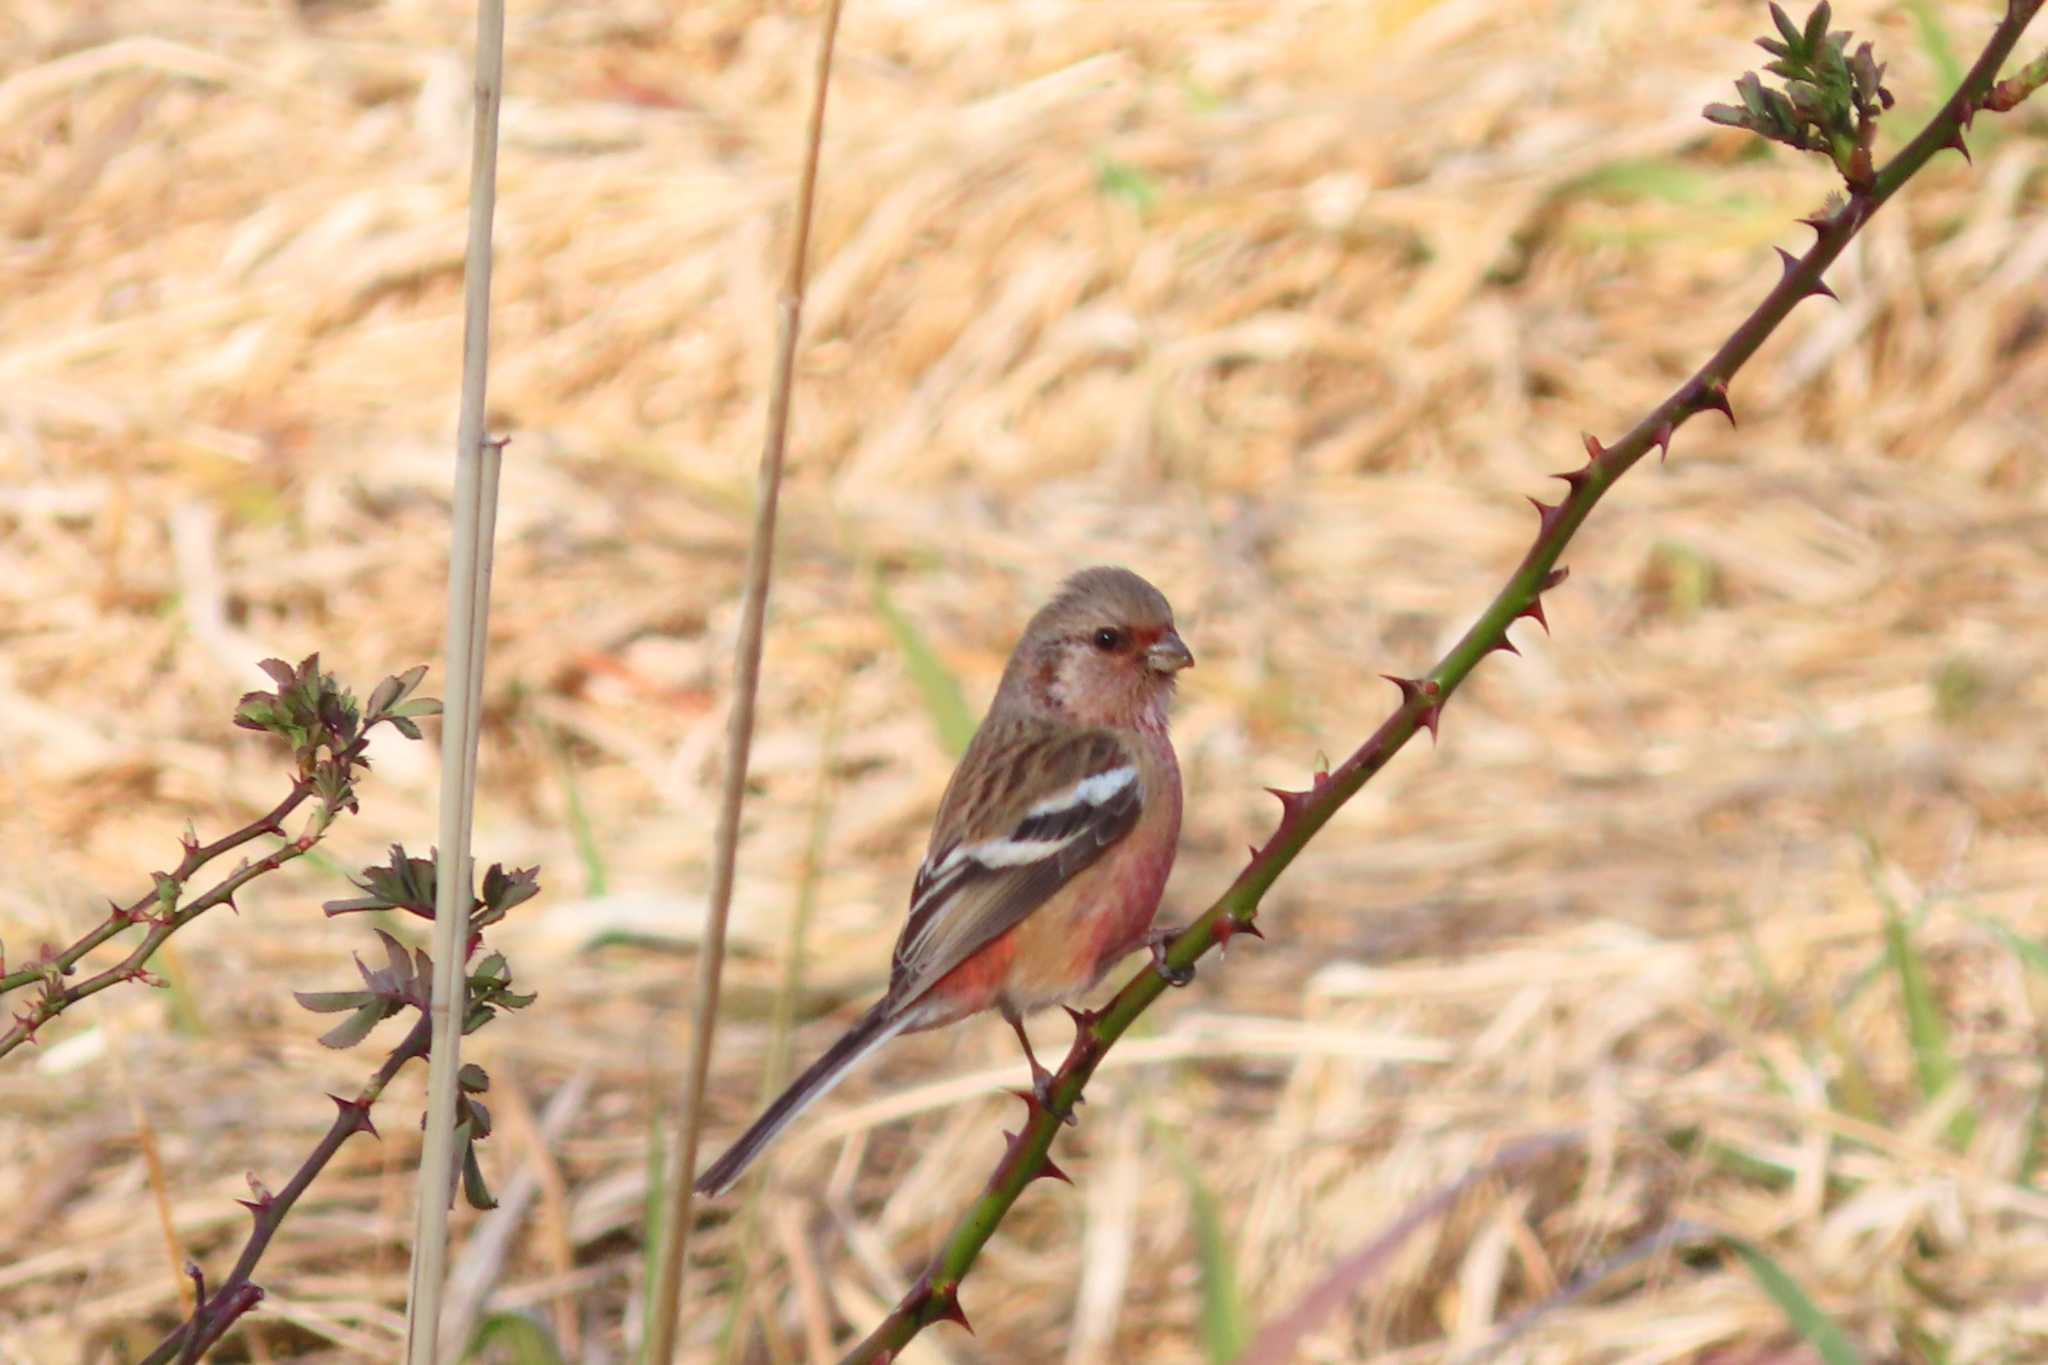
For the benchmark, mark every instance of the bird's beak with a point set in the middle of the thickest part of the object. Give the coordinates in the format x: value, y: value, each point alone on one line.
x: 1169, y: 654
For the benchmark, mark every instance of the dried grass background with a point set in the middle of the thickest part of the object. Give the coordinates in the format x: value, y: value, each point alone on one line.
x: 1284, y: 304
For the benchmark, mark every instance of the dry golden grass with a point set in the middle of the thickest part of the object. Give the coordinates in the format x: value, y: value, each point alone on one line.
x: 1284, y: 304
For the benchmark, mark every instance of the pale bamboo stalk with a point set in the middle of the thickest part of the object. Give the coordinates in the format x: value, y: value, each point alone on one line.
x: 474, y: 513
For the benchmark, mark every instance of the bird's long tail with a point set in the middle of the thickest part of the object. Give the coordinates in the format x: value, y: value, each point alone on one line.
x: 887, y: 1019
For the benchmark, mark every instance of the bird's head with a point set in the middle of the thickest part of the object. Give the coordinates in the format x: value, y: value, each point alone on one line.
x: 1102, y: 652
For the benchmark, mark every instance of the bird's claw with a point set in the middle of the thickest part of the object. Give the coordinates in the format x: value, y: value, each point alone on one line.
x: 1160, y: 941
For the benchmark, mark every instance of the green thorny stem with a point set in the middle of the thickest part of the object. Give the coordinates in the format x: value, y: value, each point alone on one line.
x: 936, y: 1294
x: 329, y: 735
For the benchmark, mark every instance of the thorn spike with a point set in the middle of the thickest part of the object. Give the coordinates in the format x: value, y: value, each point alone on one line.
x: 1504, y: 646
x: 1714, y: 397
x: 1534, y: 611
x: 1431, y: 717
x: 1956, y: 143
x: 1291, y: 802
x: 1663, y: 440
x: 1411, y: 688
x: 1554, y: 577
x: 1229, y: 928
x: 1594, y: 450
x: 952, y: 1312
x: 1052, y: 1171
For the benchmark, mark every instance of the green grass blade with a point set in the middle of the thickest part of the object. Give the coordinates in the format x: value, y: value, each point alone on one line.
x: 1226, y: 1321
x: 936, y: 684
x: 1820, y: 1331
x: 651, y: 1220
x: 1925, y: 1028
x: 512, y: 1339
x: 1934, y: 40
x: 596, y: 876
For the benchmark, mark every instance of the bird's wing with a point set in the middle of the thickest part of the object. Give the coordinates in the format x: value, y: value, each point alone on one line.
x: 1036, y: 805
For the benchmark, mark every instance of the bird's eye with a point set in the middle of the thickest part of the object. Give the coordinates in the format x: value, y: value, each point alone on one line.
x: 1109, y: 638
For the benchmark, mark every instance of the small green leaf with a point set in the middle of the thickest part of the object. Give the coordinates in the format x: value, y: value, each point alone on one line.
x: 356, y: 1027
x: 1786, y: 26
x: 332, y: 1002
x: 1817, y: 25
x: 474, y: 1188
x: 1821, y: 1331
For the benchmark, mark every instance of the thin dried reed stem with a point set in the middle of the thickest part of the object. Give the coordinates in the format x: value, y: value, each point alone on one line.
x: 740, y: 732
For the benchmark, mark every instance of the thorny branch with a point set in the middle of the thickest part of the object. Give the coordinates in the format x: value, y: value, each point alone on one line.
x: 219, y: 1310
x: 404, y: 982
x: 328, y: 736
x: 936, y: 1294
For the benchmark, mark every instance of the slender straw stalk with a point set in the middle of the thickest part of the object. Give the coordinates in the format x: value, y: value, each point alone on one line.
x: 474, y: 509
x: 661, y: 1345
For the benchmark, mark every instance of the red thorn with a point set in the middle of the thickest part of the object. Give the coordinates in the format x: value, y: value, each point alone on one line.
x: 1576, y: 478
x: 952, y: 1312
x: 1553, y: 578
x: 1411, y: 688
x: 1714, y: 397
x: 1594, y: 450
x: 1791, y: 264
x: 1290, y: 802
x: 1663, y: 440
x: 1955, y: 142
x: 1083, y: 1019
x: 1504, y: 646
x: 359, y: 1115
x: 257, y: 1207
x: 1052, y: 1171
x: 1228, y: 928
x: 1819, y: 222
x: 1534, y: 611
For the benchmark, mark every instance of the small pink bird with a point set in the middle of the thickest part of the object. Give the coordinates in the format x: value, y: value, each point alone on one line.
x: 1051, y: 845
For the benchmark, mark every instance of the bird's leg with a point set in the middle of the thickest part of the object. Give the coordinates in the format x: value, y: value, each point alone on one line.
x: 1041, y: 1079
x: 1159, y: 940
